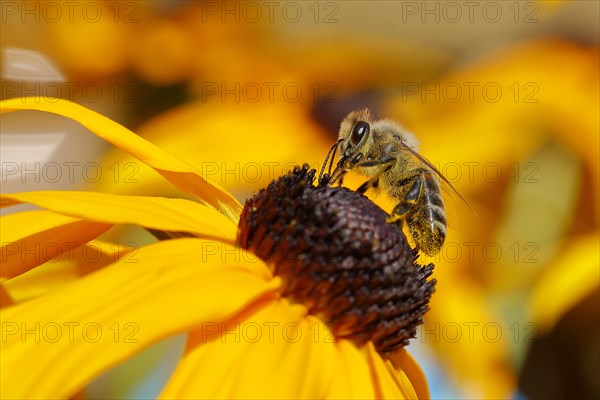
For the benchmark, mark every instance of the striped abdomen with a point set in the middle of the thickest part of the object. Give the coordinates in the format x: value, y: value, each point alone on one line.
x: 427, y: 219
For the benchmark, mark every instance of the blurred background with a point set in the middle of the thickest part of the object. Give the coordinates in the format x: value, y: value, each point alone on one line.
x: 504, y: 97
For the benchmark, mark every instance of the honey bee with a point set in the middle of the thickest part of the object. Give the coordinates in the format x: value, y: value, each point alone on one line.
x: 388, y: 155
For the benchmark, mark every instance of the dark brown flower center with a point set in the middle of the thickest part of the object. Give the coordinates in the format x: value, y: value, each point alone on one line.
x: 336, y: 255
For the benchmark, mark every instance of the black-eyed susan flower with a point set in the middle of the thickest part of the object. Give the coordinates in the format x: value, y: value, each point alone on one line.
x: 323, y: 312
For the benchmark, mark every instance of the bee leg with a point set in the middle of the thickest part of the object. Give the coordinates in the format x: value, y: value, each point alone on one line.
x: 356, y: 159
x: 399, y: 213
x: 364, y: 187
x: 410, y: 199
x: 371, y: 183
x: 381, y: 161
x: 341, y: 178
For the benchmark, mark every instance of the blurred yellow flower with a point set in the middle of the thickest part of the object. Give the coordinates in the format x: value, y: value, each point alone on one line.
x: 89, y: 38
x: 564, y: 284
x: 241, y: 145
x: 203, y: 285
x: 522, y: 123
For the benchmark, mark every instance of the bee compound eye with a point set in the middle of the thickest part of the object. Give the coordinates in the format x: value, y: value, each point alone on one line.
x: 360, y: 129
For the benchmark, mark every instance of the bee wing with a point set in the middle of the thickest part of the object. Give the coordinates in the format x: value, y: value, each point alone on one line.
x: 450, y: 205
x: 449, y: 193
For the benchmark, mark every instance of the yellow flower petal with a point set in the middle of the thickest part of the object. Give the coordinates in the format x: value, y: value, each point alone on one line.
x: 405, y: 383
x: 403, y: 361
x: 353, y: 377
x: 175, y: 170
x: 67, y: 267
x: 388, y: 384
x: 151, y: 212
x: 5, y: 299
x: 570, y: 278
x: 274, y: 352
x: 297, y: 355
x: 76, y: 333
x: 32, y: 238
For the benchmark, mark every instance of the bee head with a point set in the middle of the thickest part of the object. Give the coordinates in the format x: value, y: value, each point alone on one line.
x: 354, y: 134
